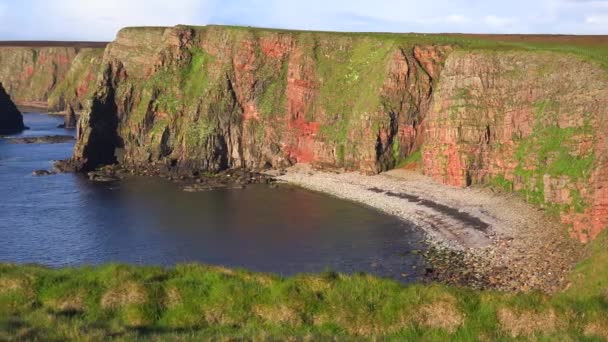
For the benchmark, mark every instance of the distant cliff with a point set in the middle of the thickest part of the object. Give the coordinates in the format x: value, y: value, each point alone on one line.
x: 52, y: 76
x: 11, y: 120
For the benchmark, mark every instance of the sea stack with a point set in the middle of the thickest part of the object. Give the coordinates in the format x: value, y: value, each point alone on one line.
x: 11, y: 120
x: 69, y: 119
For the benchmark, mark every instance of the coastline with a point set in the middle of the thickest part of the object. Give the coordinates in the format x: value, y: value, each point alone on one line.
x: 40, y: 107
x: 480, y: 238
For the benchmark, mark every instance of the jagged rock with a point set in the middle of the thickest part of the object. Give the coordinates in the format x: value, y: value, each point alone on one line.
x: 42, y: 173
x: 68, y: 165
x: 101, y: 177
x: 70, y: 120
x: 11, y: 120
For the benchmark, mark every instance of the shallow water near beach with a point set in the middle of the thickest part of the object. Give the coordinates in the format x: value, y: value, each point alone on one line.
x: 66, y: 220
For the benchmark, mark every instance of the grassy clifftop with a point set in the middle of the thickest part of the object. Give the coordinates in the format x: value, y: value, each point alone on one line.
x: 195, y: 301
x: 593, y: 48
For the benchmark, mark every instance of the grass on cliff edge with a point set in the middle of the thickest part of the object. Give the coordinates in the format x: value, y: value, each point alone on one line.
x: 589, y: 48
x: 193, y: 302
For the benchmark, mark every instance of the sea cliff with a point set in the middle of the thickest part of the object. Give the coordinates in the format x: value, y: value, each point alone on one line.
x: 213, y: 98
x: 490, y: 111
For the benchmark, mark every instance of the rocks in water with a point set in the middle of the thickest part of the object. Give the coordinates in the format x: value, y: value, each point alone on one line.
x: 203, y: 187
x: 101, y: 177
x: 213, y: 186
x: 43, y: 173
x: 67, y: 165
x: 191, y: 181
x: 46, y: 139
x: 229, y: 180
x: 11, y: 120
x: 70, y: 120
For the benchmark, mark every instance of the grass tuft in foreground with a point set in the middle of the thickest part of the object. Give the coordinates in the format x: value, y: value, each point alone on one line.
x: 192, y: 302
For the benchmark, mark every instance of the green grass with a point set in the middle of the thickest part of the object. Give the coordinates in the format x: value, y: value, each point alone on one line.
x: 595, y: 52
x: 198, y: 132
x: 273, y: 100
x: 342, y: 94
x: 501, y: 183
x: 194, y: 78
x: 194, y: 302
x: 547, y: 151
x: 414, y: 158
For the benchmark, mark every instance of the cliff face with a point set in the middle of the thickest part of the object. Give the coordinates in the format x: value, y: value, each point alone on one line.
x: 76, y: 87
x: 212, y: 98
x: 530, y: 122
x: 11, y: 120
x: 35, y: 75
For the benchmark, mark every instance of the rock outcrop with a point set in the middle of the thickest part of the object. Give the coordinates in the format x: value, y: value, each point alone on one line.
x: 11, y: 120
x: 49, y: 76
x: 69, y: 119
x: 215, y: 98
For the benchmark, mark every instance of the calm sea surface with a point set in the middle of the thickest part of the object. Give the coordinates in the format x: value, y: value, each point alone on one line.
x: 65, y: 219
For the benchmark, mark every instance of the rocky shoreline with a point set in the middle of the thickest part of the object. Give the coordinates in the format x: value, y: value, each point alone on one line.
x: 190, y: 180
x: 45, y: 139
x: 479, y: 238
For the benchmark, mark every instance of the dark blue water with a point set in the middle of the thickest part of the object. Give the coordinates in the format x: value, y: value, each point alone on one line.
x: 65, y: 219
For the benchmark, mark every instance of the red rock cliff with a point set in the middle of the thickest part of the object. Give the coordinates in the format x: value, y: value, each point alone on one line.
x: 213, y: 98
x: 533, y: 123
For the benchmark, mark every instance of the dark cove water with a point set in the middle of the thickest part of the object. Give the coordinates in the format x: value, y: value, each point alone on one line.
x: 65, y: 220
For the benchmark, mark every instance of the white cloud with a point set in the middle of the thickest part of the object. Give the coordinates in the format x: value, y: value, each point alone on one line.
x: 498, y: 22
x: 102, y: 19
x: 597, y: 19
x: 457, y: 19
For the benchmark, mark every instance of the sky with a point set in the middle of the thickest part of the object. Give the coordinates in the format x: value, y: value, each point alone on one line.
x: 99, y: 20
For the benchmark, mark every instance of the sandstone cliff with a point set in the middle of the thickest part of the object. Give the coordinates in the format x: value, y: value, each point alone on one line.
x: 529, y: 122
x: 55, y: 76
x: 11, y: 120
x: 214, y: 98
x: 211, y: 98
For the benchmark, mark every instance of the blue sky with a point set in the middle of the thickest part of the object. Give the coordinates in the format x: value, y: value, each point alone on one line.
x: 100, y: 19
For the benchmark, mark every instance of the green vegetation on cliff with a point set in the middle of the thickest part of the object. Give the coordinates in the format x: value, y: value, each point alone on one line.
x: 550, y: 148
x: 195, y: 301
x: 78, y: 84
x: 325, y: 97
